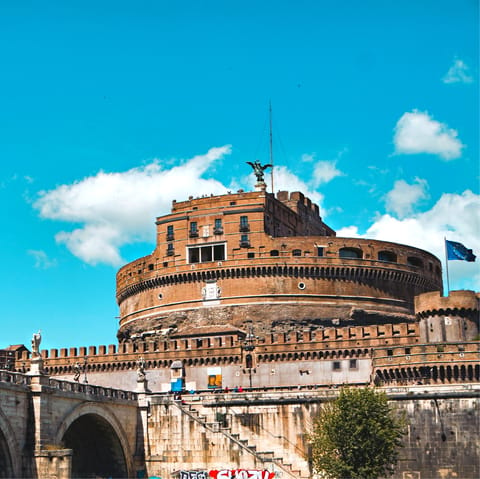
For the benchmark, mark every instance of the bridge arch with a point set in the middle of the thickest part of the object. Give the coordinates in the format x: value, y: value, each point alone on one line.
x: 9, y: 451
x: 98, y: 440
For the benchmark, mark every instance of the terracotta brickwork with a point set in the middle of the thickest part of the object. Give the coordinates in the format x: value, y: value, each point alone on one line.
x: 252, y: 257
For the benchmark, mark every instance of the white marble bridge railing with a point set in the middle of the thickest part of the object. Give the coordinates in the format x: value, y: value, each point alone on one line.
x: 14, y: 378
x: 92, y: 390
x: 23, y: 379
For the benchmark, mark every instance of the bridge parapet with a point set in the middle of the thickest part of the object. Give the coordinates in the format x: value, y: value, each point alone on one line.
x: 14, y: 378
x: 92, y: 390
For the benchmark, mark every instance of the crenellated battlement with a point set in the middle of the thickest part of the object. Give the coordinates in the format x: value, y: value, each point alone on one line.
x: 165, y: 349
x: 455, y: 317
x: 432, y: 303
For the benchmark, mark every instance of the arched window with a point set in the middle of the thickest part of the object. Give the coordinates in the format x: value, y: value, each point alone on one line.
x: 387, y: 256
x: 297, y: 252
x: 414, y: 261
x: 350, y: 253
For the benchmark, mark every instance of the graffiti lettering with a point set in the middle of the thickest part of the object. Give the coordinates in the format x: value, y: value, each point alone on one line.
x: 241, y: 474
x: 193, y: 475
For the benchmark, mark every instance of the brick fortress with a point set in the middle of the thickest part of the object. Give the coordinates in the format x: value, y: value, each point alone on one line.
x: 253, y: 290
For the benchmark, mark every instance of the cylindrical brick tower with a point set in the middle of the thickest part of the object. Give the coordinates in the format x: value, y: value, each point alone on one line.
x: 270, y: 261
x: 448, y: 319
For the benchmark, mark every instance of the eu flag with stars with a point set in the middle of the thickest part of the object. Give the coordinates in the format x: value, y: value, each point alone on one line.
x: 458, y: 251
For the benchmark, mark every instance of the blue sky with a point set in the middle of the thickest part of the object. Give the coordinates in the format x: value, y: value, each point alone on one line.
x: 110, y: 110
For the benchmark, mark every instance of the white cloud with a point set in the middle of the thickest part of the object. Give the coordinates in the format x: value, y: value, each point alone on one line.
x: 308, y: 157
x: 42, y: 261
x: 459, y: 72
x: 417, y: 132
x: 456, y: 217
x: 115, y: 209
x: 402, y: 199
x: 325, y: 171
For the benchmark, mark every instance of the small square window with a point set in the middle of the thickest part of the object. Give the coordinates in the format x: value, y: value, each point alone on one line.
x: 353, y: 364
x: 389, y: 352
x: 408, y: 351
x: 250, y: 254
x: 337, y: 366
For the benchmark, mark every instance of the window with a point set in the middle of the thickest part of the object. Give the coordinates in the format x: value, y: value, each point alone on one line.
x: 244, y: 241
x: 274, y: 252
x: 414, y: 261
x: 408, y: 351
x: 297, y: 252
x: 319, y: 250
x: 250, y: 254
x: 387, y: 256
x: 170, y: 249
x: 206, y: 253
x: 353, y: 364
x: 389, y: 352
x: 170, y: 235
x: 350, y: 253
x: 193, y: 229
x: 218, y: 229
x: 244, y: 223
x: 337, y: 366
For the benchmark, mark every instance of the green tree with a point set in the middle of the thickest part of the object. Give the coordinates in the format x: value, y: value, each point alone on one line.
x: 357, y: 436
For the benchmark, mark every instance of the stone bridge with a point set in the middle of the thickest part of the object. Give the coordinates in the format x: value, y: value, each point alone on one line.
x: 59, y: 429
x: 55, y: 429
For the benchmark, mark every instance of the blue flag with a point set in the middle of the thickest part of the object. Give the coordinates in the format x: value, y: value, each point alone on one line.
x: 458, y: 251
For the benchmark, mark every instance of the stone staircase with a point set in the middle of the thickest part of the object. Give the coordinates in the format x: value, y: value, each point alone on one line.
x: 282, y: 468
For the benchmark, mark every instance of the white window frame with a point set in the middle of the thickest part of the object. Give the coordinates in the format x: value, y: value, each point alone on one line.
x: 206, y: 245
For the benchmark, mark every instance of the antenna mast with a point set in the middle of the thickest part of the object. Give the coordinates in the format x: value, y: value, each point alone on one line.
x: 271, y: 145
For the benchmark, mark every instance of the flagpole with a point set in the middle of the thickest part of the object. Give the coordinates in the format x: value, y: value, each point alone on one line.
x: 271, y: 144
x: 446, y: 264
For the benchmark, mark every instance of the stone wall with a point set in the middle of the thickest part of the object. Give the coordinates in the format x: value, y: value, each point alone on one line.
x: 441, y: 438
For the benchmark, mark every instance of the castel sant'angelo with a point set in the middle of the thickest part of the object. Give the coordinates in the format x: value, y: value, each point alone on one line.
x: 256, y: 290
x: 250, y: 294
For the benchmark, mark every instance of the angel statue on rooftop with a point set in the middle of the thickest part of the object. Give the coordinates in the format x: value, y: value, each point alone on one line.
x: 259, y: 169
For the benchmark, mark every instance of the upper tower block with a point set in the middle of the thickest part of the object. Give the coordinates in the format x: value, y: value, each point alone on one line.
x: 309, y: 221
x: 286, y: 215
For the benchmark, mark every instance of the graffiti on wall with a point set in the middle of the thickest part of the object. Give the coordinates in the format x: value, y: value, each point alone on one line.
x: 193, y: 475
x: 241, y: 474
x: 227, y: 474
